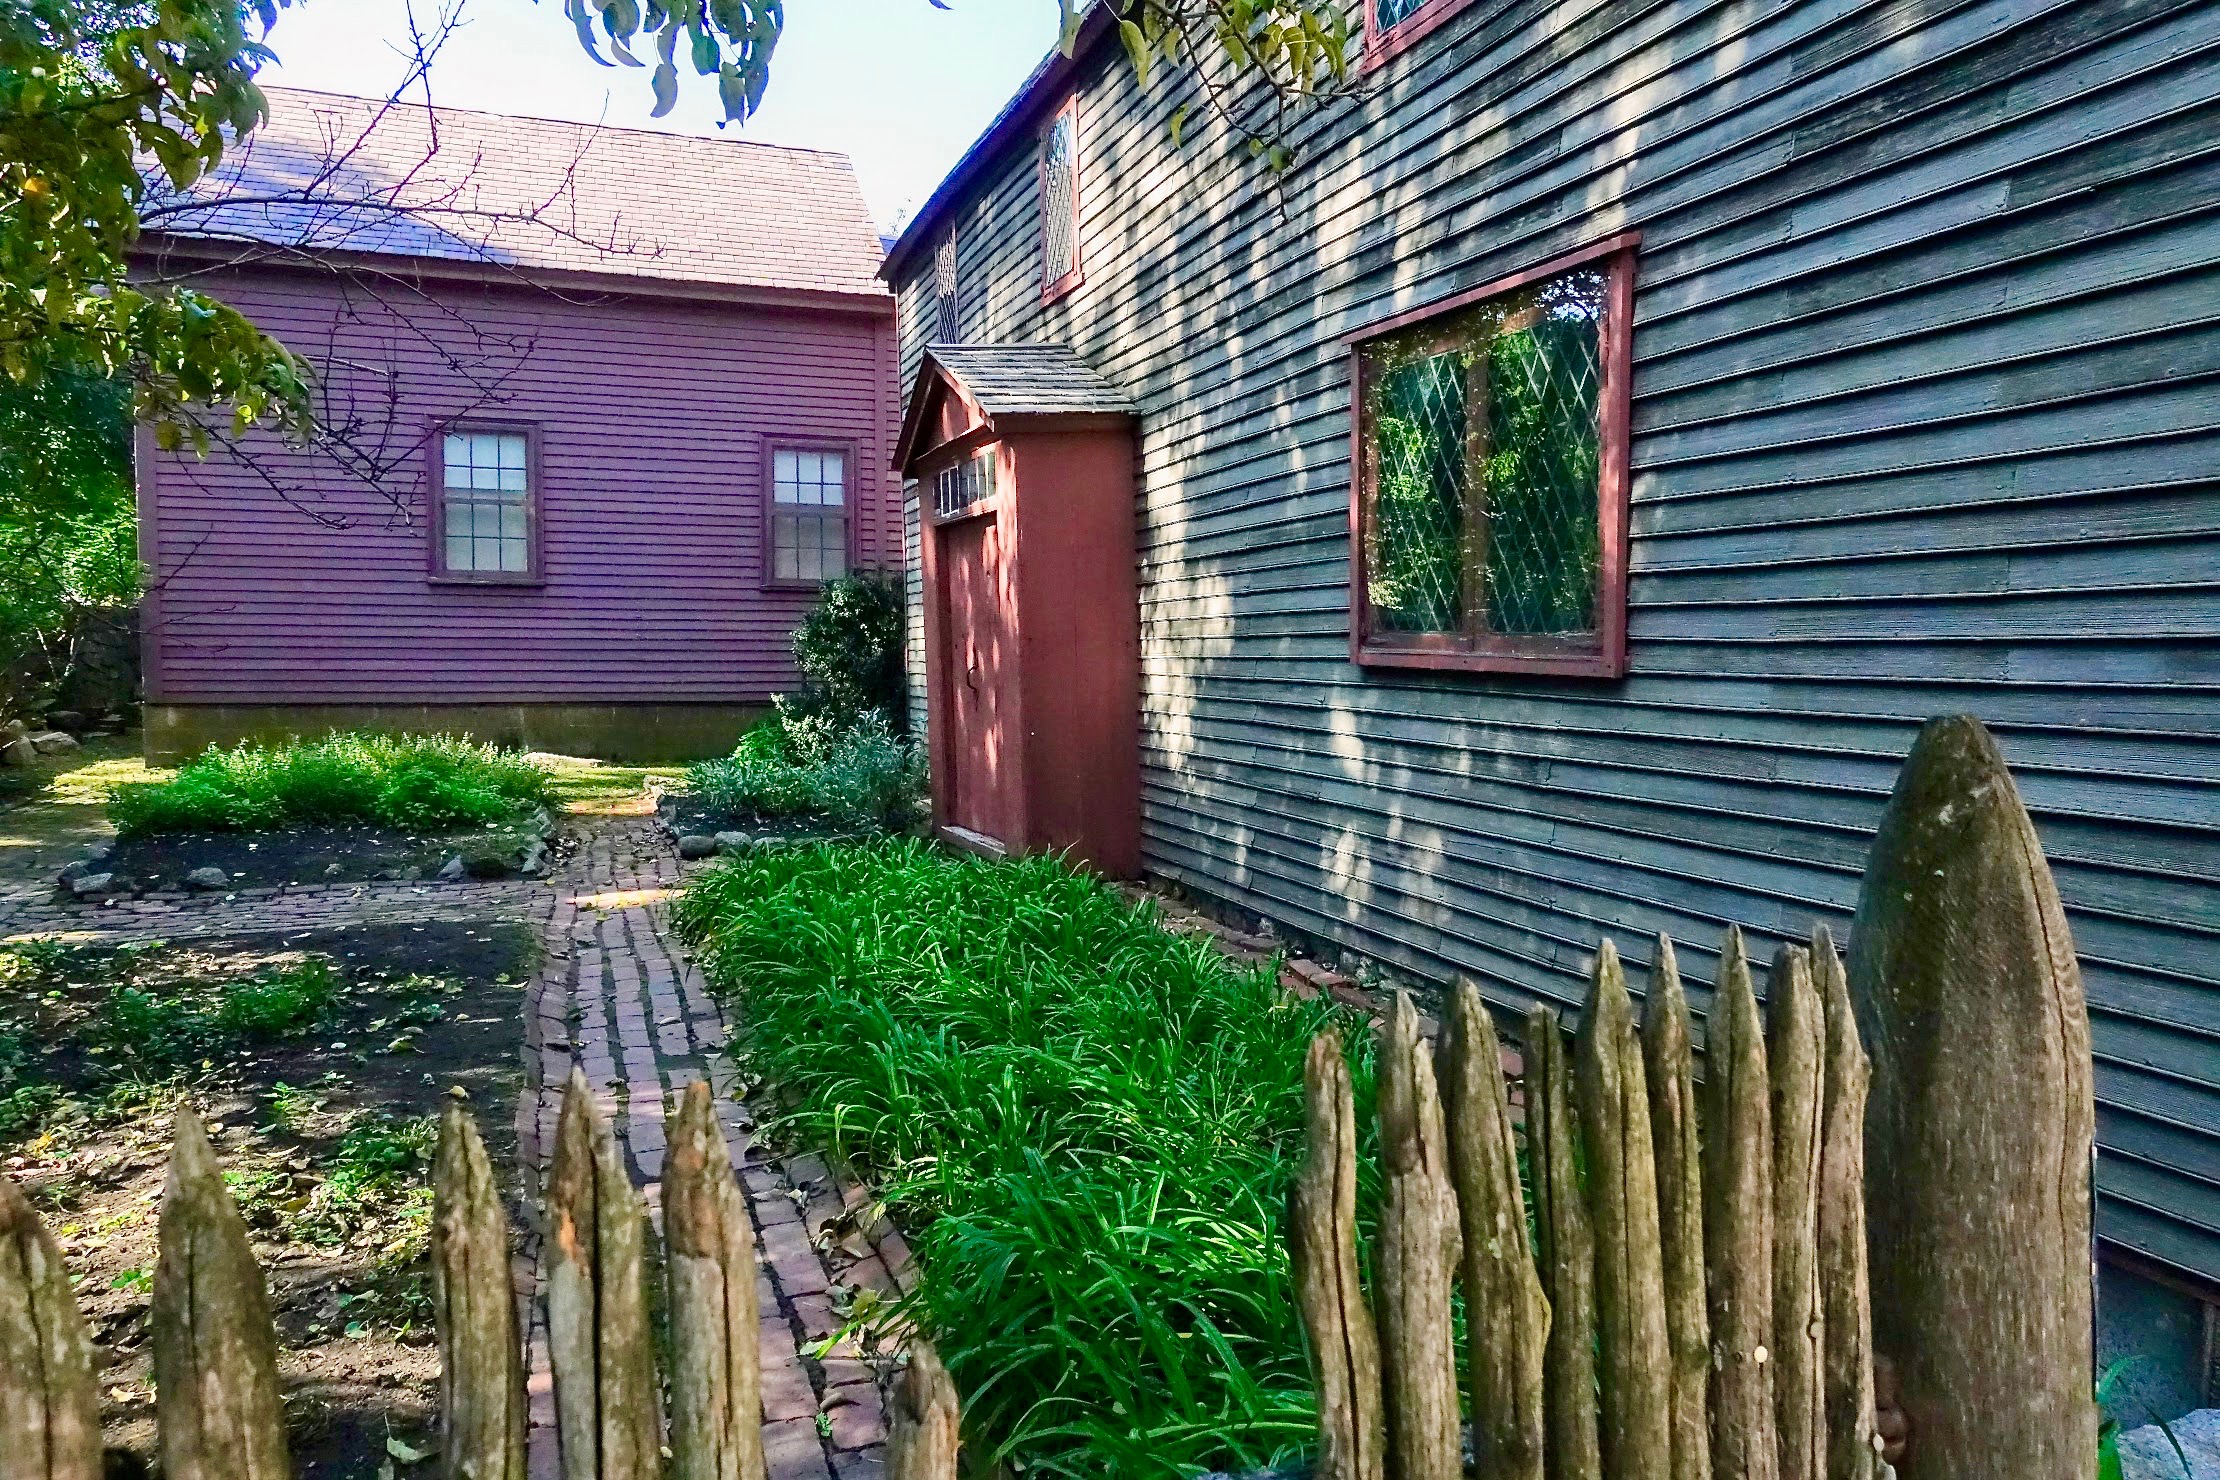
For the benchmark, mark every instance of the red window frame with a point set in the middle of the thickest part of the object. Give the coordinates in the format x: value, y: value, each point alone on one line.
x: 1380, y: 45
x: 772, y: 447
x: 435, y: 446
x: 1601, y: 654
x: 1055, y: 288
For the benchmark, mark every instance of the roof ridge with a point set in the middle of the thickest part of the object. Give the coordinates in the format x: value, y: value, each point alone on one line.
x: 720, y: 138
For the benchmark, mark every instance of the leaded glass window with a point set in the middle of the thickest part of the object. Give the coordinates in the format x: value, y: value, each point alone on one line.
x: 1060, y: 201
x: 1484, y: 444
x: 1389, y: 13
x: 948, y: 325
x: 809, y: 514
x: 486, y: 510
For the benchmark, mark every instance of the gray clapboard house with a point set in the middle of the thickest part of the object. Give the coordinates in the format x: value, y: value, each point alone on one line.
x: 1732, y: 385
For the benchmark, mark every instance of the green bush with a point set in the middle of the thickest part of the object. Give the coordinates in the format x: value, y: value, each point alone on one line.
x: 849, y: 649
x: 419, y: 782
x: 861, y: 778
x: 283, y: 1002
x: 1086, y: 1125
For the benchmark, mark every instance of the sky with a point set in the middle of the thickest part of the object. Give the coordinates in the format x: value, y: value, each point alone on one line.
x: 897, y: 85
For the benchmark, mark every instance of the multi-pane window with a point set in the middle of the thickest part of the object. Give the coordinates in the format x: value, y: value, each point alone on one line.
x: 809, y: 514
x: 1389, y: 13
x: 1060, y: 201
x: 948, y: 325
x: 1492, y: 476
x: 486, y: 503
x: 968, y: 482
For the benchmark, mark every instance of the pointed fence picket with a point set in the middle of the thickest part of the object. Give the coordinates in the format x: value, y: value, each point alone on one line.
x: 1691, y: 1300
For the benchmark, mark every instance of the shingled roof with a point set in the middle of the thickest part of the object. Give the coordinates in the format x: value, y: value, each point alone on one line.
x: 343, y: 174
x: 1028, y: 379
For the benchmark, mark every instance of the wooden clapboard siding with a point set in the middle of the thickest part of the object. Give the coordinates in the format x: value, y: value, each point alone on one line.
x: 1926, y: 419
x: 652, y: 414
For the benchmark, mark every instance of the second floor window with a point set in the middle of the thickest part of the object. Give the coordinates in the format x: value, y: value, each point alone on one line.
x: 809, y: 514
x: 948, y: 327
x: 486, y: 513
x: 1060, y: 203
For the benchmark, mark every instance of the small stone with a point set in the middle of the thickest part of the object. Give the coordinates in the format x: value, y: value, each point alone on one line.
x: 733, y: 842
x: 451, y: 870
x: 102, y: 853
x: 15, y: 728
x: 19, y: 752
x: 52, y: 742
x: 696, y: 845
x: 535, y: 857
x: 210, y: 877
x: 90, y: 886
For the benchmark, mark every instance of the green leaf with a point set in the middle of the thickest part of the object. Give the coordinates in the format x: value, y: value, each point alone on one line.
x: 706, y: 55
x: 1179, y: 123
x: 666, y: 89
x: 1137, y: 47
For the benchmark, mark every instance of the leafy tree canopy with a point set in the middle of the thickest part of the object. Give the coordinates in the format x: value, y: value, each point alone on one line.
x: 103, y: 101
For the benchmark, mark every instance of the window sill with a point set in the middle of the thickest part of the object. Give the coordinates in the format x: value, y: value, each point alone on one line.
x: 525, y: 581
x: 1062, y: 287
x: 1583, y: 658
x: 794, y: 585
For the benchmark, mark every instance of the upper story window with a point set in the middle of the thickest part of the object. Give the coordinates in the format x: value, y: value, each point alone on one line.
x: 809, y: 514
x: 1060, y: 203
x: 1490, y: 509
x: 948, y: 327
x: 488, y: 524
x: 1391, y: 26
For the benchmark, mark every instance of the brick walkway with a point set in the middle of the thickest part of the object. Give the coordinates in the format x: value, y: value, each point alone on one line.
x: 616, y: 996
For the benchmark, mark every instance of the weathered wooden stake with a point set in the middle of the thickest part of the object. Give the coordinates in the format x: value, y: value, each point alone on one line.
x: 481, y: 1377
x: 1795, y: 1054
x: 1506, y: 1317
x: 923, y: 1422
x: 1567, y: 1255
x: 1844, y: 1300
x: 49, y: 1413
x: 1980, y: 1125
x: 215, y: 1353
x: 599, y: 1343
x: 716, y: 1382
x: 1669, y: 1066
x: 1738, y: 1226
x: 1418, y: 1247
x: 1633, y: 1360
x: 1322, y: 1246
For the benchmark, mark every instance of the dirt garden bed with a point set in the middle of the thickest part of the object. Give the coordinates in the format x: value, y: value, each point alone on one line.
x: 314, y: 855
x: 319, y: 1061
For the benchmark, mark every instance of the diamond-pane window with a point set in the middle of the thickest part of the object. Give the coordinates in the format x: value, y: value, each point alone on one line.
x: 1389, y: 13
x: 948, y: 327
x: 1060, y: 201
x: 809, y: 514
x: 1492, y: 476
x: 485, y: 504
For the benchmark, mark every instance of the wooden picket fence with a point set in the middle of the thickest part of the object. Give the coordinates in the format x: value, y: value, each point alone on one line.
x: 1689, y: 1298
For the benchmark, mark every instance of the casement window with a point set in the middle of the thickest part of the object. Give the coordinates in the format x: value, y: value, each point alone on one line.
x: 968, y: 483
x: 1391, y: 26
x: 1059, y: 202
x: 948, y: 325
x: 1489, y: 498
x: 487, y: 525
x: 809, y: 513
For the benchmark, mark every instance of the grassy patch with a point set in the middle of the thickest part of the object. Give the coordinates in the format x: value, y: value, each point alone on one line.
x: 1087, y: 1127
x: 585, y: 785
x: 420, y: 783
x: 859, y: 777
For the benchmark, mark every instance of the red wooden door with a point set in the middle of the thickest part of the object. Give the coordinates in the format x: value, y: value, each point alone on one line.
x: 979, y: 659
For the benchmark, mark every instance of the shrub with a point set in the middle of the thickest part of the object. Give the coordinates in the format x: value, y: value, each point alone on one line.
x: 421, y: 783
x: 1087, y: 1126
x: 849, y: 649
x: 861, y: 778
